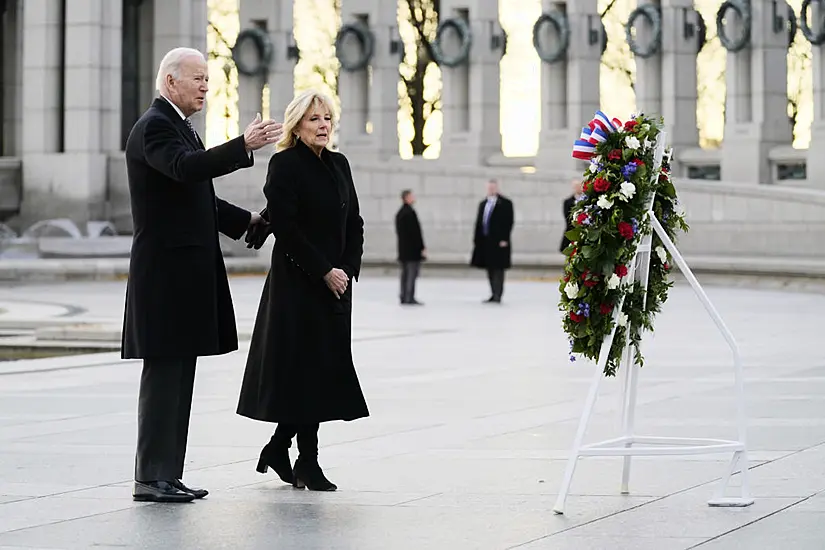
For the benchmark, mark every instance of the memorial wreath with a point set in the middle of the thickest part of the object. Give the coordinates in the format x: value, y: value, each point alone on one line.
x: 609, y: 220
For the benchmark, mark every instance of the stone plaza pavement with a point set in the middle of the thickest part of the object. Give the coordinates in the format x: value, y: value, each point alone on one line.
x: 473, y: 411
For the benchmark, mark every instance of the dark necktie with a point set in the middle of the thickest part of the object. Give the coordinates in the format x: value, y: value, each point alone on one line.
x: 191, y: 128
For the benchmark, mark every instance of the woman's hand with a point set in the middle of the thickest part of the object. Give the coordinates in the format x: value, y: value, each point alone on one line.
x: 337, y: 281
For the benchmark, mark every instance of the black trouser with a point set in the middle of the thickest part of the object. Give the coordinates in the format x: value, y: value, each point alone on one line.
x: 496, y: 277
x: 164, y: 405
x: 307, y: 438
x: 409, y: 273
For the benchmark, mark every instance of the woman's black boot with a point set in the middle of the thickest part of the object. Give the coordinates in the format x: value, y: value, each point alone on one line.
x: 275, y: 454
x: 308, y: 472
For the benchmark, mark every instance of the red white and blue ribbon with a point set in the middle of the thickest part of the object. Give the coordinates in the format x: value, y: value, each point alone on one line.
x: 594, y: 133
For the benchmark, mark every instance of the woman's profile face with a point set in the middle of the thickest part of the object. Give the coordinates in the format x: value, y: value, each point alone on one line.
x: 315, y: 128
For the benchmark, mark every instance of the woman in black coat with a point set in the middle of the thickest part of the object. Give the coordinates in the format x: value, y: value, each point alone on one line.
x: 299, y: 372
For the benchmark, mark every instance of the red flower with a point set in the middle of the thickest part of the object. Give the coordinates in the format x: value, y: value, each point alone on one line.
x: 615, y: 154
x: 605, y: 309
x: 575, y: 317
x: 625, y: 230
x: 662, y: 177
x: 586, y: 187
x: 621, y: 270
x: 581, y: 218
x: 566, y: 278
x: 573, y: 253
x: 637, y: 162
x: 666, y: 266
x: 591, y: 282
x: 630, y: 124
x: 601, y: 185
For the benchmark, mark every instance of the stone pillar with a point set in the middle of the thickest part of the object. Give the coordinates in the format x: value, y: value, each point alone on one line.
x: 570, y: 88
x: 282, y: 71
x: 678, y: 72
x: 471, y: 93
x: 816, y: 160
x: 71, y: 87
x: 369, y: 97
x: 42, y: 47
x: 756, y: 117
x: 648, y: 70
x: 12, y: 77
x: 180, y: 23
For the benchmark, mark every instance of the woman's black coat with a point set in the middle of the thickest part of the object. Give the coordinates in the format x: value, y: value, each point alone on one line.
x: 300, y: 368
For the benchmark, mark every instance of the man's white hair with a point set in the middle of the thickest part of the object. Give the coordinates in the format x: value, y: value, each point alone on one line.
x: 170, y: 65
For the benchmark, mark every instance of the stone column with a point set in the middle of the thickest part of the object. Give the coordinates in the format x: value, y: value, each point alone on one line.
x: 180, y: 23
x: 471, y: 93
x: 253, y: 14
x: 756, y: 106
x: 816, y: 160
x: 282, y: 71
x: 678, y: 73
x: 12, y: 50
x: 570, y: 88
x: 369, y: 97
x: 42, y: 48
x: 648, y: 70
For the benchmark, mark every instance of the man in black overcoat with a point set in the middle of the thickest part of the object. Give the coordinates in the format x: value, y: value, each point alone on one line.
x: 178, y: 305
x: 492, y: 247
x: 411, y: 249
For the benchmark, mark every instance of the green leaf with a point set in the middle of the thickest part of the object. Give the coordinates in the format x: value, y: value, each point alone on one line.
x: 573, y: 234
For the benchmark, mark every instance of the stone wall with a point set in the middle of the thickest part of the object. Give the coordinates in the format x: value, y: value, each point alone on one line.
x: 727, y: 219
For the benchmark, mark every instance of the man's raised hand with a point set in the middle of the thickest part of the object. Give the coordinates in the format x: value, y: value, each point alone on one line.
x: 262, y: 132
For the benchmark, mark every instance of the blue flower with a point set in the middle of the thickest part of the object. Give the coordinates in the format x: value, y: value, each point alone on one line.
x: 584, y: 309
x: 635, y: 225
x: 629, y: 169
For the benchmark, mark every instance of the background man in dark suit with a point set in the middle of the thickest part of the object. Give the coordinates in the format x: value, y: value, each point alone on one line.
x: 178, y: 305
x: 492, y: 248
x: 567, y: 209
x: 411, y: 249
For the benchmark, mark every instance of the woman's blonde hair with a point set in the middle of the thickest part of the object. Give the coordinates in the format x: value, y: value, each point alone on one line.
x: 295, y: 112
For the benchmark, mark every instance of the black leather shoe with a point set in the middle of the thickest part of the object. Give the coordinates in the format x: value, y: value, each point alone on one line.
x: 197, y: 493
x: 159, y: 491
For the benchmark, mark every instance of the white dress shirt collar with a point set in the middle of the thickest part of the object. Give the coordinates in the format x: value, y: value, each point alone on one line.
x: 175, y: 107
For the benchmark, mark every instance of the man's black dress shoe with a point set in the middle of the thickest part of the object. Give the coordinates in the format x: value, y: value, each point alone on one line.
x: 159, y: 491
x: 197, y: 493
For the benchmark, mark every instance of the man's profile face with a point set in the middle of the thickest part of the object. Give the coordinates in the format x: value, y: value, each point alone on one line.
x: 188, y: 91
x: 409, y: 199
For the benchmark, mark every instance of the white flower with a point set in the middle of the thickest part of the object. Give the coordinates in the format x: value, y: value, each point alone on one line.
x: 627, y: 189
x: 660, y: 251
x: 647, y: 144
x: 622, y: 320
x: 604, y: 202
x: 571, y: 289
x: 598, y: 159
x: 632, y: 143
x: 613, y: 281
x: 593, y: 168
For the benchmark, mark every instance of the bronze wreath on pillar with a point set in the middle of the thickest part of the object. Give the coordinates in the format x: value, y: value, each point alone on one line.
x: 263, y: 46
x: 653, y: 15
x: 743, y: 10
x: 562, y: 26
x: 460, y: 26
x: 364, y: 37
x: 815, y: 38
